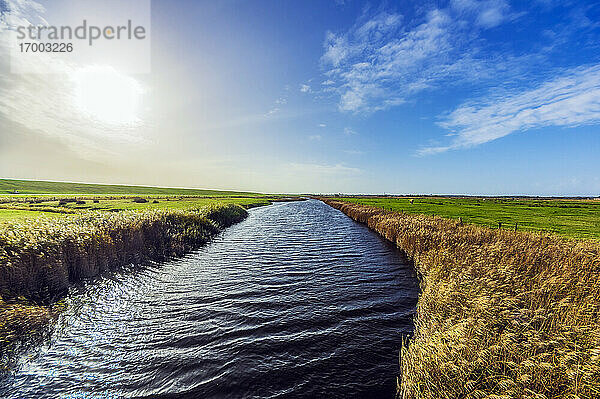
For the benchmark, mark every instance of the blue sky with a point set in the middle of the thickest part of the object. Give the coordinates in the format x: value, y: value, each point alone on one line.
x: 459, y: 97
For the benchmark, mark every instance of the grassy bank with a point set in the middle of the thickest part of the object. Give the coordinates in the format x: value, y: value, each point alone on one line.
x: 55, y: 234
x: 10, y: 186
x: 41, y: 257
x: 502, y: 314
x: 577, y: 218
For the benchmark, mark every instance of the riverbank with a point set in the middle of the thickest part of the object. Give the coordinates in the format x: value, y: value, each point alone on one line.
x: 296, y: 301
x: 502, y: 313
x: 40, y: 258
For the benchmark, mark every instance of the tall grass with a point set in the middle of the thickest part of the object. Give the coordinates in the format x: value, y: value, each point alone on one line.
x: 502, y: 314
x: 40, y: 259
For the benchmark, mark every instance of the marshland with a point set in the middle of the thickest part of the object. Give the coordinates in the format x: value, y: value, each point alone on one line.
x: 50, y: 240
x: 300, y: 199
x: 507, y: 297
x: 501, y: 313
x: 297, y: 299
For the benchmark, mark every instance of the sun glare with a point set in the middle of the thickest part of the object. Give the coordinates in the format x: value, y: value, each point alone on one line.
x: 108, y: 96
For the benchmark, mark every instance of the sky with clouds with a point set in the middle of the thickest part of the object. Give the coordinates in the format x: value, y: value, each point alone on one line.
x: 456, y: 97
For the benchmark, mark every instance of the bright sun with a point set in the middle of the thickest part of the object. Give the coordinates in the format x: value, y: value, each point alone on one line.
x: 108, y: 96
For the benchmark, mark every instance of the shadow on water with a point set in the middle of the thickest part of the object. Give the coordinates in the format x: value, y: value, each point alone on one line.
x: 298, y: 300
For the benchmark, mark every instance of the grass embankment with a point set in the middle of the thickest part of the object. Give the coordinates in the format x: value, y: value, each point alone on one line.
x: 569, y: 217
x: 25, y: 199
x: 10, y: 186
x: 40, y: 258
x: 502, y: 314
x: 54, y: 234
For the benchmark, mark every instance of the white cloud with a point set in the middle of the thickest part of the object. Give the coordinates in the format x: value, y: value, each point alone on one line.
x: 349, y: 131
x: 383, y: 61
x: 571, y: 99
x: 20, y: 11
x: 379, y: 64
x: 273, y: 111
x: 353, y: 152
x: 277, y: 104
x: 336, y: 49
x: 315, y: 137
x: 324, y: 169
x: 487, y: 13
x: 305, y: 88
x: 322, y: 125
x: 47, y: 101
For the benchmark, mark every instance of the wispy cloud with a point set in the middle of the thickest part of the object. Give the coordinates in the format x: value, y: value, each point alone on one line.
x: 315, y: 137
x: 382, y: 61
x: 486, y: 13
x: 348, y: 131
x: 324, y: 169
x: 21, y: 11
x: 305, y: 88
x: 385, y: 60
x: 277, y: 104
x: 571, y: 99
x: 46, y: 102
x: 322, y: 125
x: 273, y: 111
x: 353, y: 152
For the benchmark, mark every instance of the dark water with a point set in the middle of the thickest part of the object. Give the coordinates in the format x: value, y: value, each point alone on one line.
x: 296, y: 301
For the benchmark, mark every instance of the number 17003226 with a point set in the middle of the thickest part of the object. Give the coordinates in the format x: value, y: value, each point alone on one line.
x: 46, y: 47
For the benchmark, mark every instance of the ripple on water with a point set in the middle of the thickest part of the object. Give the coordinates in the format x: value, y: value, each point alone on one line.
x: 296, y: 301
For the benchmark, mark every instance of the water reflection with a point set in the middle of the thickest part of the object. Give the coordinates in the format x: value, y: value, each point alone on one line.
x: 296, y: 301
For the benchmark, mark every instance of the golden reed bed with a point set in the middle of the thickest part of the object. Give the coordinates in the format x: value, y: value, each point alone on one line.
x: 40, y: 259
x: 501, y: 314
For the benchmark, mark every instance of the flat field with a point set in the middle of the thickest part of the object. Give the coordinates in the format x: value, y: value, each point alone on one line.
x: 23, y: 199
x: 9, y: 186
x: 576, y: 218
x: 51, y: 207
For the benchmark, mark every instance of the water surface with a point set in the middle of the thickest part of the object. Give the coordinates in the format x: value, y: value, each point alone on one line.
x: 298, y: 300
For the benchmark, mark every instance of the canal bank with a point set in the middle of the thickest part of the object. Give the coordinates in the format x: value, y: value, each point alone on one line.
x: 297, y: 300
x: 41, y: 258
x: 503, y: 313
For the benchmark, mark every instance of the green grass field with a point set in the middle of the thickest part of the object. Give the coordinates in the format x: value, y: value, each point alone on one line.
x: 53, y: 208
x: 572, y: 218
x: 9, y: 186
x: 42, y: 199
x: 9, y: 214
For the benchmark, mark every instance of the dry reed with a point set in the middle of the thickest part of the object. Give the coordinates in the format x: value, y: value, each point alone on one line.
x: 502, y: 314
x: 39, y: 259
